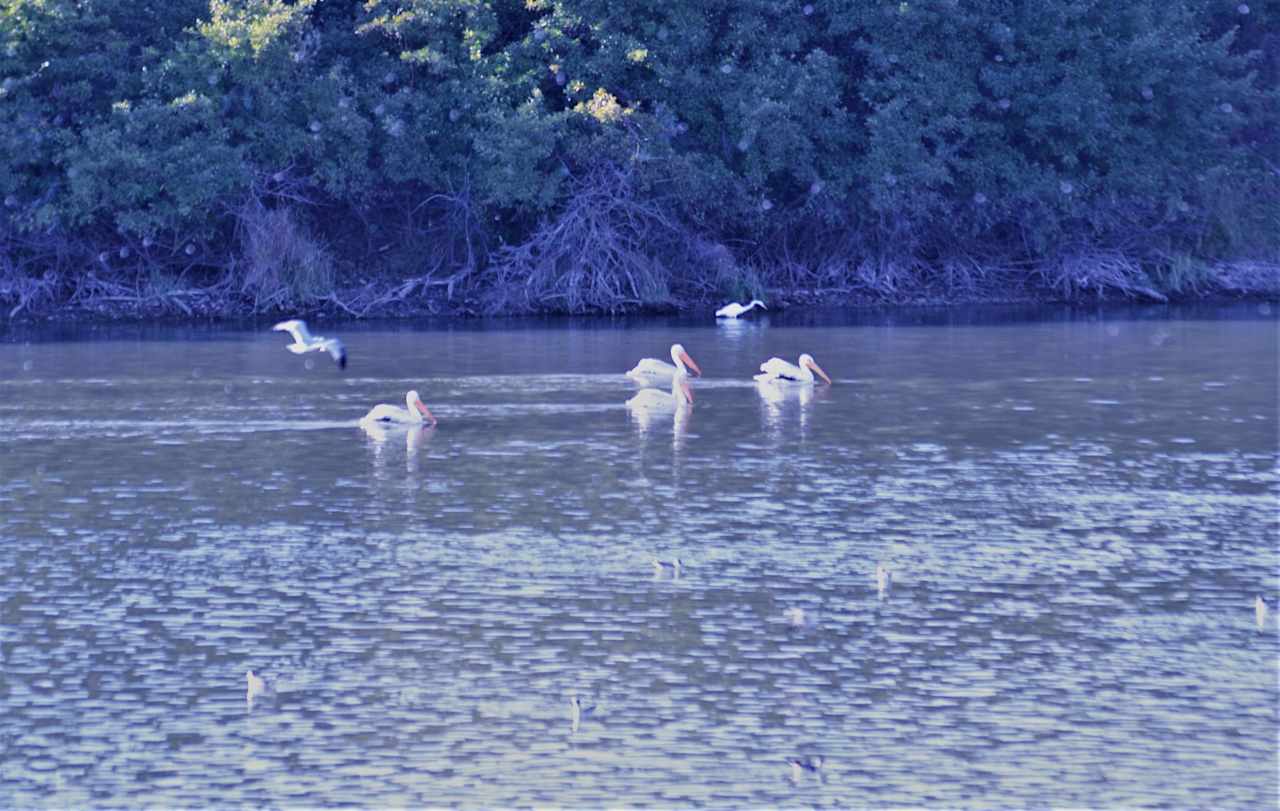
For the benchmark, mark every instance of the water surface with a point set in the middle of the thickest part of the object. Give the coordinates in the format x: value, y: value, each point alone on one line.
x: 1078, y: 511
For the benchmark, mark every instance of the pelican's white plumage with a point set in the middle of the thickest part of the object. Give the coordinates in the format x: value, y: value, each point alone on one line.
x: 304, y: 341
x: 734, y: 309
x: 659, y: 401
x: 654, y: 372
x: 1260, y: 612
x: 415, y: 412
x: 779, y: 369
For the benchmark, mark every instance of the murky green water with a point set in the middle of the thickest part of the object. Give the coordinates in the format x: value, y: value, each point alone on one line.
x: 1078, y: 514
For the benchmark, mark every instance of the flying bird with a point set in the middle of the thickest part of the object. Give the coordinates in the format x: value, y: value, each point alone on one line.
x: 304, y: 341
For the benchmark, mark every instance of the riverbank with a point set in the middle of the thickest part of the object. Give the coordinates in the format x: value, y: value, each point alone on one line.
x: 416, y: 299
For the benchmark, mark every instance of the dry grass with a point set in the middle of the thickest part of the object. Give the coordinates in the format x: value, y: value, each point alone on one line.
x: 281, y: 265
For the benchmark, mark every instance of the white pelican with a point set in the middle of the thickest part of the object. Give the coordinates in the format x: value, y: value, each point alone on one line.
x: 1260, y: 612
x: 653, y: 401
x: 304, y: 341
x: 654, y: 372
x: 779, y: 369
x: 415, y: 412
x: 734, y: 309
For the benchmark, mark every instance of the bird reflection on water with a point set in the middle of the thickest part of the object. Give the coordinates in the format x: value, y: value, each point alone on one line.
x: 415, y: 438
x: 780, y: 397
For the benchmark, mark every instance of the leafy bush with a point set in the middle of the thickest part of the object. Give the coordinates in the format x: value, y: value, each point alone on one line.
x: 584, y: 154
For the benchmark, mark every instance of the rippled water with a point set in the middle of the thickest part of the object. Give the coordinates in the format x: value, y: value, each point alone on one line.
x: 1078, y: 513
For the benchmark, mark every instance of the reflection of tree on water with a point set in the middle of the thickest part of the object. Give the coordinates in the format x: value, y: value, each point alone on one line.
x: 415, y: 437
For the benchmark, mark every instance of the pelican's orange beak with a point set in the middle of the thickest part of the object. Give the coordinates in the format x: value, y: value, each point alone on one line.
x: 426, y: 412
x: 818, y: 370
x: 684, y: 356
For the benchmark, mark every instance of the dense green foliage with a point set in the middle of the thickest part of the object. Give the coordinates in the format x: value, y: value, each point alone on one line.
x: 584, y: 154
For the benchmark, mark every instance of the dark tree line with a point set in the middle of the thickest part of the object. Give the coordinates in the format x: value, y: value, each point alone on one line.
x: 576, y: 155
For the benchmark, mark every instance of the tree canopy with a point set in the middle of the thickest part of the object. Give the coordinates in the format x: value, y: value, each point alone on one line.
x: 582, y: 154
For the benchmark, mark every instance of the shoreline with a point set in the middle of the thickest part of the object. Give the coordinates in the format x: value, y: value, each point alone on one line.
x: 789, y: 306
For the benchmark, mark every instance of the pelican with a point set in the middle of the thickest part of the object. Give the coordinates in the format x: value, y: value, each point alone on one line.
x: 779, y: 369
x: 415, y: 412
x: 1260, y: 612
x: 734, y: 309
x: 654, y: 372
x: 304, y: 341
x: 653, y: 401
x: 884, y: 579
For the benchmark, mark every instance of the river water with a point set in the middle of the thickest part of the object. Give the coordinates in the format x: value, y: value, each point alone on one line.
x: 1078, y: 510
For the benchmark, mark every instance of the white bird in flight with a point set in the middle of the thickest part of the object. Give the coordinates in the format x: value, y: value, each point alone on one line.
x: 780, y: 370
x: 734, y: 309
x: 415, y: 412
x: 654, y: 372
x: 304, y: 341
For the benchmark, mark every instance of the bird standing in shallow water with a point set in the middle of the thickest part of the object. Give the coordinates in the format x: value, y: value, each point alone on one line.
x: 734, y: 309
x: 1260, y: 612
x: 304, y: 341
